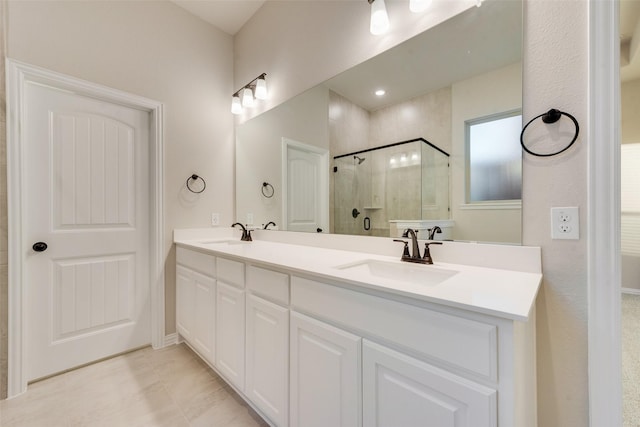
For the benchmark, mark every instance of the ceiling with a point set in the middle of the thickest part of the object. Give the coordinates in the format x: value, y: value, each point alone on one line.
x: 227, y: 15
x: 231, y: 15
x: 475, y: 42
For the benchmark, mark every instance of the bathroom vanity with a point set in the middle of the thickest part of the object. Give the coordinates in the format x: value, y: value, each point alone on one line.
x: 311, y: 335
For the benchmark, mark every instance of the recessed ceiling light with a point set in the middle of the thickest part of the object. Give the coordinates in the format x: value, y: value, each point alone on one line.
x: 380, y: 92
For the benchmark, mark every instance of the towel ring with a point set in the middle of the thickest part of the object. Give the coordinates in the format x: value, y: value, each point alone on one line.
x: 550, y: 116
x: 265, y: 190
x: 195, y: 177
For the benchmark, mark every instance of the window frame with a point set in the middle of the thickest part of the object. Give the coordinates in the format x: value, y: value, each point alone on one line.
x: 484, y: 204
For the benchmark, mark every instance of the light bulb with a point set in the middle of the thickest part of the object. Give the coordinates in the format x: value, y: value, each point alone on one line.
x: 261, y: 88
x: 479, y: 3
x: 379, y: 18
x: 247, y: 97
x: 236, y: 107
x: 417, y: 6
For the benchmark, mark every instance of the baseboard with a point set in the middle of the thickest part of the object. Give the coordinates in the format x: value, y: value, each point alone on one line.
x: 631, y: 291
x: 171, y: 339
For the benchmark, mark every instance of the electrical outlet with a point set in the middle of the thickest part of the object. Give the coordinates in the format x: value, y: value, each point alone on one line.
x: 215, y: 219
x: 565, y: 223
x: 249, y: 219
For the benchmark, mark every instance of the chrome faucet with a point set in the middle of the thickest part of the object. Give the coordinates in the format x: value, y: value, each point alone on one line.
x: 246, y: 234
x: 433, y: 231
x: 266, y: 227
x: 415, y: 257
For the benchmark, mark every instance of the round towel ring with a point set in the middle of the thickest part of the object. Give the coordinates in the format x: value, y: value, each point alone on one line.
x: 267, y: 190
x: 195, y: 177
x: 550, y: 116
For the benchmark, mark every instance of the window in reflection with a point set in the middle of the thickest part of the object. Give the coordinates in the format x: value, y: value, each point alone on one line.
x: 494, y: 158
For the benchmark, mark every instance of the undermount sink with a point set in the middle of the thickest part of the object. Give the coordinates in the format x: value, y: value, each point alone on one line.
x: 412, y: 273
x: 223, y: 242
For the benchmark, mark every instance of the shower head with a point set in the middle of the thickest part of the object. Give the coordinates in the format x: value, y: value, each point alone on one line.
x: 359, y: 159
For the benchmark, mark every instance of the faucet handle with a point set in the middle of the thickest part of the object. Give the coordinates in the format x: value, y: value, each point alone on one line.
x: 405, y: 252
x: 427, y: 253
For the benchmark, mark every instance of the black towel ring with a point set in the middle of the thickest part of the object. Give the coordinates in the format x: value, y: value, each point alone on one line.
x: 195, y: 177
x: 265, y: 187
x: 550, y: 116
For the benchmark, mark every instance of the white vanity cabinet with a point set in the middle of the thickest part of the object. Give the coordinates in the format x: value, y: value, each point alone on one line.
x: 307, y: 350
x: 196, y: 301
x: 325, y: 375
x: 267, y: 343
x: 399, y: 390
x: 230, y: 321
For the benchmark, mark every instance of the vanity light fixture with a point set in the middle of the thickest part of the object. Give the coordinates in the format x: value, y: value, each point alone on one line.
x: 479, y: 3
x: 247, y: 97
x: 379, y: 18
x: 244, y: 97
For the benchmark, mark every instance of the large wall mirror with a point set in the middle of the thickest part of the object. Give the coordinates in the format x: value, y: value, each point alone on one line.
x: 439, y: 147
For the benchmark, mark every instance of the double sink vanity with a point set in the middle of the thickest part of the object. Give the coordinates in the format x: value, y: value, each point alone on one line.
x: 329, y: 330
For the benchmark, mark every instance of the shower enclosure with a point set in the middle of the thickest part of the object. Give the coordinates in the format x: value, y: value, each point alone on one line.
x: 404, y: 181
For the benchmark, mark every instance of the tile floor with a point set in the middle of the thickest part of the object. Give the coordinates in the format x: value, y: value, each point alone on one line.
x: 169, y: 387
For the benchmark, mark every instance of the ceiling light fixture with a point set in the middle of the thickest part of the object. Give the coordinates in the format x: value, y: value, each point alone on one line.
x: 380, y: 92
x: 244, y: 97
x: 379, y: 18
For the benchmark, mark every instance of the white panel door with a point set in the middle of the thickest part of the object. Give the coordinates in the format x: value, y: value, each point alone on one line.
x: 86, y: 197
x: 267, y: 364
x: 230, y: 333
x: 401, y: 391
x: 306, y: 184
x: 324, y: 375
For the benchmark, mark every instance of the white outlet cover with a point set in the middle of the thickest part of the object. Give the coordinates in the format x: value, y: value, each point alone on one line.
x: 565, y: 223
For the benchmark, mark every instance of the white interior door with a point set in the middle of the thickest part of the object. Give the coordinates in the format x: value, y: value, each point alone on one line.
x: 305, y: 176
x: 86, y: 197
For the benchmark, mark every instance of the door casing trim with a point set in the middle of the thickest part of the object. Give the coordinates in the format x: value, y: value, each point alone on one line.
x: 19, y: 74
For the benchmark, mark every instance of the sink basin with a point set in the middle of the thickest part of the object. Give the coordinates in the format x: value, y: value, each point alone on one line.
x: 400, y: 271
x: 223, y: 242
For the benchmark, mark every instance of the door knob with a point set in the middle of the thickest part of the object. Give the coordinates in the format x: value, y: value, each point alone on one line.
x: 40, y: 246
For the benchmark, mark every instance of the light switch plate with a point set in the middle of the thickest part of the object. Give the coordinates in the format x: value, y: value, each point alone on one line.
x: 565, y: 223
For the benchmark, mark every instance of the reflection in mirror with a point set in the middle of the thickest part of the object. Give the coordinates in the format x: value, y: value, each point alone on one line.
x: 435, y: 84
x: 407, y: 180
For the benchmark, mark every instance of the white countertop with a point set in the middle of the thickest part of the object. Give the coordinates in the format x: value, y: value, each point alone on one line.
x: 498, y: 292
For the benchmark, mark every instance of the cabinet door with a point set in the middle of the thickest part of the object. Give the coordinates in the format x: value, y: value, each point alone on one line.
x: 401, y: 391
x: 185, y: 302
x: 230, y: 333
x: 267, y: 376
x: 204, y: 308
x: 325, y: 375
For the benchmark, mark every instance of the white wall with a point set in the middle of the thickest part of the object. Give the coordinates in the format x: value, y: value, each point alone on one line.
x: 495, y: 92
x: 556, y: 54
x: 157, y: 50
x: 555, y: 60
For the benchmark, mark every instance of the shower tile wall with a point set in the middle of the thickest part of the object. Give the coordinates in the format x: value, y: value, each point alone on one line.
x: 352, y: 128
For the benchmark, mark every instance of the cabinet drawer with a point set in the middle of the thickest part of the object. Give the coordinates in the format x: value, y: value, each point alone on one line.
x: 453, y: 341
x: 269, y: 284
x: 231, y: 272
x: 198, y: 261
